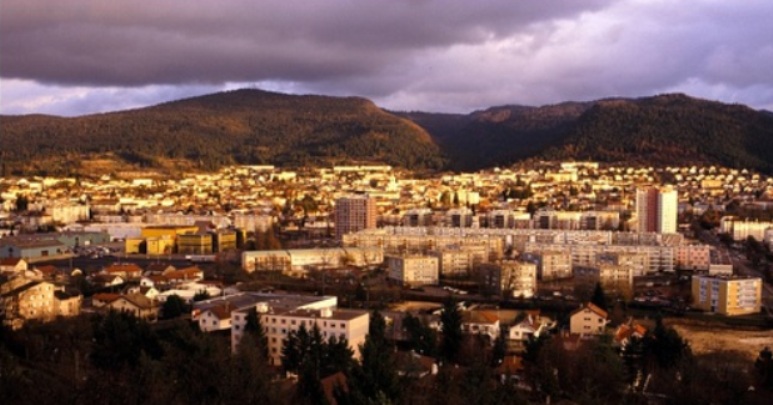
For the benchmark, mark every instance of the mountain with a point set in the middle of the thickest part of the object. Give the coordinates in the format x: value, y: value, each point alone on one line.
x: 661, y: 130
x: 252, y: 126
x: 500, y: 135
x: 242, y: 126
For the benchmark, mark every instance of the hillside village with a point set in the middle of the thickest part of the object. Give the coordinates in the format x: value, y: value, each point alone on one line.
x: 580, y: 253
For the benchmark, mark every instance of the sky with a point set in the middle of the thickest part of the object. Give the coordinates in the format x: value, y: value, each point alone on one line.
x: 80, y: 57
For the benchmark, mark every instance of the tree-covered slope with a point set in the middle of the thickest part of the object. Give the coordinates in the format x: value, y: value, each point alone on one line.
x: 243, y: 126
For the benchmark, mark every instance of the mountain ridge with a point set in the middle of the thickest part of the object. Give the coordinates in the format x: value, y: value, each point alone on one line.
x: 256, y: 126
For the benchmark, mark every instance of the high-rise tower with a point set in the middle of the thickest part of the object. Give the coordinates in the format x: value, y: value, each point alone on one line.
x: 354, y: 213
x: 656, y: 209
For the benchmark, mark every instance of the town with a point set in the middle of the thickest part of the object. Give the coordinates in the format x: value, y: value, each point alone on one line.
x: 533, y: 270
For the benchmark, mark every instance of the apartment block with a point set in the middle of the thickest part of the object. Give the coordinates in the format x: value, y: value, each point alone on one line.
x: 413, y: 270
x: 727, y: 295
x: 353, y: 214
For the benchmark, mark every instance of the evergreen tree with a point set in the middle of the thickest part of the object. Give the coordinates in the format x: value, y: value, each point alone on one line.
x: 499, y: 351
x: 598, y: 298
x: 451, y: 321
x: 173, y: 307
x: 421, y: 337
x: 665, y: 347
x: 254, y: 328
x: 375, y: 377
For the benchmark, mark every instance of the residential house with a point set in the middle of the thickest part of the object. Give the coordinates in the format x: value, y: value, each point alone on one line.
x: 588, y: 320
x: 135, y: 304
x: 13, y: 265
x: 128, y: 271
x: 481, y: 322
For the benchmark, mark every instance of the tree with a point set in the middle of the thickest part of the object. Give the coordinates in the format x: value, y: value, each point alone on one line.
x: 254, y: 328
x: 665, y: 347
x: 201, y: 295
x: 120, y: 339
x: 451, y: 321
x: 421, y: 337
x: 376, y: 375
x: 22, y: 203
x: 173, y: 307
x: 248, y: 380
x: 499, y: 350
x: 764, y: 367
x: 598, y: 298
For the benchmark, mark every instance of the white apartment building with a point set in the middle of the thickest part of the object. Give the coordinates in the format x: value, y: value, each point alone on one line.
x: 656, y: 209
x: 413, y: 270
x: 454, y: 261
x: 351, y: 325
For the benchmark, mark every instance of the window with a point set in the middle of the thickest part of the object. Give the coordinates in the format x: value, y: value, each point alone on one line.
x: 343, y: 325
x: 292, y: 322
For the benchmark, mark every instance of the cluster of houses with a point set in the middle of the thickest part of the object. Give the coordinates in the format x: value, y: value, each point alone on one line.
x: 43, y: 293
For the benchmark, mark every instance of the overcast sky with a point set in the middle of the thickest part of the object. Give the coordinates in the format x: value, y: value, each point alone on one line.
x: 83, y: 56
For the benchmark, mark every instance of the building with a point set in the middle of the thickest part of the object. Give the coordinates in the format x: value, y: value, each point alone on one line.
x: 354, y: 213
x: 13, y: 265
x: 199, y: 243
x: 224, y: 240
x: 418, y: 217
x: 481, y: 322
x: 454, y: 261
x: 551, y: 265
x: 138, y: 305
x: 460, y: 218
x: 588, y: 320
x: 727, y: 295
x: 33, y: 249
x: 509, y: 277
x: 302, y: 260
x: 413, y: 270
x: 282, y: 314
x: 24, y: 299
x: 693, y: 257
x: 656, y: 209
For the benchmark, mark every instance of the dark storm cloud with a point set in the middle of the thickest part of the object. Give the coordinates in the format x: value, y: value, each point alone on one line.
x: 71, y: 57
x: 95, y: 42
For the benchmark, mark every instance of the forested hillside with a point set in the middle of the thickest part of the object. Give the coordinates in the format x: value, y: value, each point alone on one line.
x: 244, y: 126
x: 253, y: 127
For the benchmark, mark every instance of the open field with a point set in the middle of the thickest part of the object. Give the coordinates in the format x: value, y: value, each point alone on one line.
x: 713, y: 337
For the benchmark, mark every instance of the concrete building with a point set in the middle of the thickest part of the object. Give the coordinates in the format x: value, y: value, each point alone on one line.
x: 508, y: 277
x: 551, y: 265
x: 302, y: 260
x: 282, y: 314
x: 693, y: 257
x: 727, y: 295
x: 354, y: 213
x: 656, y: 209
x: 199, y: 243
x: 413, y: 270
x: 455, y: 261
x: 23, y: 299
x: 417, y: 217
x: 460, y: 218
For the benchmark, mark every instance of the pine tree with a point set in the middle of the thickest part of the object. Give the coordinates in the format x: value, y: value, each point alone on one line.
x: 376, y: 375
x: 451, y: 321
x: 598, y: 298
